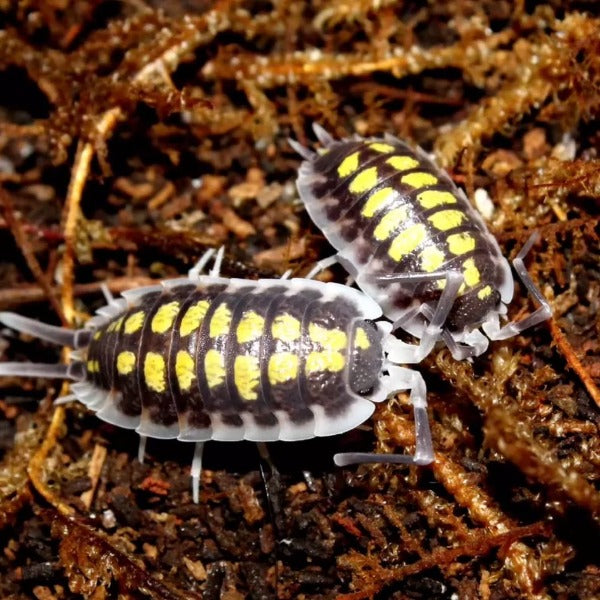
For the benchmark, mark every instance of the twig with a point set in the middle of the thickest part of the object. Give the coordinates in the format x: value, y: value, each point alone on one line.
x: 563, y: 344
x: 81, y: 167
x: 32, y: 262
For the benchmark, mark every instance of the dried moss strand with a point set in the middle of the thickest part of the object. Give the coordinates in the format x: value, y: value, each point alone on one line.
x: 36, y: 469
x: 562, y: 343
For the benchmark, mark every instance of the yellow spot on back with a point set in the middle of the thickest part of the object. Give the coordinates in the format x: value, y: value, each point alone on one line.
x: 115, y: 325
x: 184, y: 370
x: 364, y: 181
x: 461, y: 243
x: 93, y: 366
x: 419, y: 179
x: 432, y: 259
x: 402, y: 163
x: 193, y: 317
x: 471, y: 273
x: 134, y: 322
x: 389, y: 222
x: 324, y: 361
x: 348, y: 165
x: 331, y: 339
x: 246, y: 375
x: 283, y: 366
x: 380, y: 147
x: 214, y: 367
x: 220, y: 321
x: 250, y: 327
x: 286, y: 328
x: 377, y: 200
x: 164, y: 317
x: 406, y: 241
x: 98, y: 334
x: 155, y: 371
x: 484, y: 292
x: 125, y: 362
x: 433, y: 198
x: 447, y: 219
x: 361, y: 340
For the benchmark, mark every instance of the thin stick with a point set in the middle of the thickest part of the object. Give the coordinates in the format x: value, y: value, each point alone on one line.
x: 563, y: 344
x: 32, y: 262
x: 26, y: 294
x: 71, y: 214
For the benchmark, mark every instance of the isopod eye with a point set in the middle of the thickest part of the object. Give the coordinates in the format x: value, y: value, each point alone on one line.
x: 367, y: 357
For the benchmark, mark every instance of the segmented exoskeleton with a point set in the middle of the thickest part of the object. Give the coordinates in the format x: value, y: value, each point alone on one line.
x: 413, y: 243
x: 209, y: 358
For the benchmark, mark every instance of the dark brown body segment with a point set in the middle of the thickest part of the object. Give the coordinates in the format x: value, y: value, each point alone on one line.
x: 389, y: 210
x: 228, y: 359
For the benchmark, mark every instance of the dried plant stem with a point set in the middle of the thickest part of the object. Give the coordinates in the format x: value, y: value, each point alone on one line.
x: 32, y: 262
x: 81, y: 167
x: 565, y: 348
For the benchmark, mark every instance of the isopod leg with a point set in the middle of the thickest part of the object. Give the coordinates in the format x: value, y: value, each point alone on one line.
x: 107, y: 293
x: 542, y: 313
x: 325, y: 138
x: 216, y: 270
x: 197, y: 471
x: 321, y: 266
x: 400, y: 352
x: 305, y: 153
x: 142, y: 449
x: 197, y: 269
x: 401, y: 378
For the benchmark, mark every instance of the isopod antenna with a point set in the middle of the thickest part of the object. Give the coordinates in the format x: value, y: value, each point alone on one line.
x: 61, y: 336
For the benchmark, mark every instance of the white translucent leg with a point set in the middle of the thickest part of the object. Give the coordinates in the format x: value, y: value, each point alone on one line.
x: 216, y: 270
x: 458, y: 351
x: 543, y: 312
x: 197, y: 269
x: 473, y: 344
x: 142, y: 449
x: 322, y: 265
x: 65, y: 399
x: 401, y: 352
x: 287, y: 274
x: 325, y: 138
x: 107, y: 293
x: 197, y: 471
x: 401, y: 378
x: 304, y: 152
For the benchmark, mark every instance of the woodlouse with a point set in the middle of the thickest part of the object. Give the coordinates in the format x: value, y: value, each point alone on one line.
x: 412, y: 241
x: 208, y: 358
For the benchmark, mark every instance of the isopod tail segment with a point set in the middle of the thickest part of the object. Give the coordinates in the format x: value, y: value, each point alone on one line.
x: 411, y: 240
